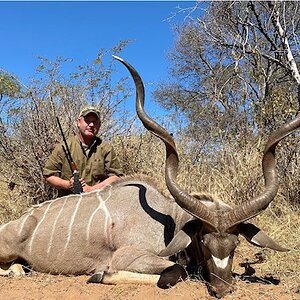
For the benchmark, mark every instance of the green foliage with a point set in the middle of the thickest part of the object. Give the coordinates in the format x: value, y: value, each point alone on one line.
x: 9, y: 85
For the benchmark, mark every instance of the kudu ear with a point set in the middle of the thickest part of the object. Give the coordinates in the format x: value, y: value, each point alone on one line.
x: 258, y: 238
x: 182, y: 239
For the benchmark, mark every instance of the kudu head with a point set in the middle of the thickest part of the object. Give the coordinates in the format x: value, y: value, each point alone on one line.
x: 217, y: 235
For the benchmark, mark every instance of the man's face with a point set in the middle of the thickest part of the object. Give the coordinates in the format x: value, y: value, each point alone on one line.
x: 88, y: 125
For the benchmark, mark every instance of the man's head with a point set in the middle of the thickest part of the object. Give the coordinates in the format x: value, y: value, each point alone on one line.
x: 88, y: 123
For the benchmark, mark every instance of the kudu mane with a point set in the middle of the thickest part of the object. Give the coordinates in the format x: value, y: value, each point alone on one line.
x: 210, y: 200
x: 138, y: 177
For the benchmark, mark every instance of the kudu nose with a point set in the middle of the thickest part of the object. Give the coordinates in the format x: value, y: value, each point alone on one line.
x: 221, y: 291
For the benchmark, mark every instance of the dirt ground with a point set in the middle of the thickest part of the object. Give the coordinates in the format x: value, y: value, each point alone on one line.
x: 43, y: 286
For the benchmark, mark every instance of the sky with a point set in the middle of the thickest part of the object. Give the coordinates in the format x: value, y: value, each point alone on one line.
x: 77, y: 30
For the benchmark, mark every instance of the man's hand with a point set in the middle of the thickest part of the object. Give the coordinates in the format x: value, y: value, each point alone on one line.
x: 81, y: 181
x: 86, y: 188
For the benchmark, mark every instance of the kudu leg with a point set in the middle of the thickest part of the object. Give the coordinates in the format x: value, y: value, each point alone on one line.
x: 11, y: 270
x: 133, y: 260
x: 8, y: 252
x: 7, y: 244
x: 122, y: 277
x: 14, y: 237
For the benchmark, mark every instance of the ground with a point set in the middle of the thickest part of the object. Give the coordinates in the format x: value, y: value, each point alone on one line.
x: 260, y: 277
x: 254, y: 281
x: 42, y: 286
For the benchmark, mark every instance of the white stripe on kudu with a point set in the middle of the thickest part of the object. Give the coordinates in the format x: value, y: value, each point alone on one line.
x: 91, y: 219
x: 23, y: 222
x: 71, y: 223
x: 107, y: 220
x: 54, y: 226
x: 38, y: 225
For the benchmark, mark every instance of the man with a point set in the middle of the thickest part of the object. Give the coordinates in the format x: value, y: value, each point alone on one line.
x: 95, y: 159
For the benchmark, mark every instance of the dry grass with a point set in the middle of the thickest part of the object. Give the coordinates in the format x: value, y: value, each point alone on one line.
x: 12, y: 203
x: 285, y: 229
x: 232, y: 176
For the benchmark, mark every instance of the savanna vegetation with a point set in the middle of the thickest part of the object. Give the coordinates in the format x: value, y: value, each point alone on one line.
x: 234, y: 78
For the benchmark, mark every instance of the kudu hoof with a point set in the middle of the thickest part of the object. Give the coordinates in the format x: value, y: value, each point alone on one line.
x: 96, y: 278
x: 170, y: 276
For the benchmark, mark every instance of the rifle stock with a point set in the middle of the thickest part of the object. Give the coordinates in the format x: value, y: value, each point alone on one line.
x: 77, y: 188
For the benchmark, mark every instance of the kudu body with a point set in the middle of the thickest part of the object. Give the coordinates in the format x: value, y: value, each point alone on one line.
x: 132, y: 226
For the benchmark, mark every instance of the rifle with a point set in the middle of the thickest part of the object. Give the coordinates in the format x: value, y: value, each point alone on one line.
x: 77, y: 188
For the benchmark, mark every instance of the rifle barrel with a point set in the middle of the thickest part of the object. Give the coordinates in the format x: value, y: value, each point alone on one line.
x: 77, y: 185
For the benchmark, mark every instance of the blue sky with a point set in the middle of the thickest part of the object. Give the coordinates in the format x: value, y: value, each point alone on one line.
x: 78, y: 29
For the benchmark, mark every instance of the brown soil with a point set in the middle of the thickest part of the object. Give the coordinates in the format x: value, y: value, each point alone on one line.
x: 42, y: 286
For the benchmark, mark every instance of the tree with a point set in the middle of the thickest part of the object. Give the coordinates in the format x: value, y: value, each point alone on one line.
x: 236, y: 70
x: 235, y: 77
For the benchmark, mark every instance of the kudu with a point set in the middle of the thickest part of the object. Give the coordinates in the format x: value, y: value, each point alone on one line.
x: 131, y: 226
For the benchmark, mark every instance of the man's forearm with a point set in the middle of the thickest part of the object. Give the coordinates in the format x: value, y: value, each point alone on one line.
x: 59, y: 183
x: 62, y: 184
x: 101, y: 184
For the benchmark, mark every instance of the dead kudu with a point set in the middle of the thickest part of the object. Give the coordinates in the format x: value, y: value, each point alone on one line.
x: 130, y: 228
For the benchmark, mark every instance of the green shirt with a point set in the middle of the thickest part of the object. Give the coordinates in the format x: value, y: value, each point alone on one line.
x: 94, y: 164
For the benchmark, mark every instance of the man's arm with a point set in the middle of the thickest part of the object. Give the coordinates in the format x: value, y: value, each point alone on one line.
x: 100, y: 185
x: 59, y: 183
